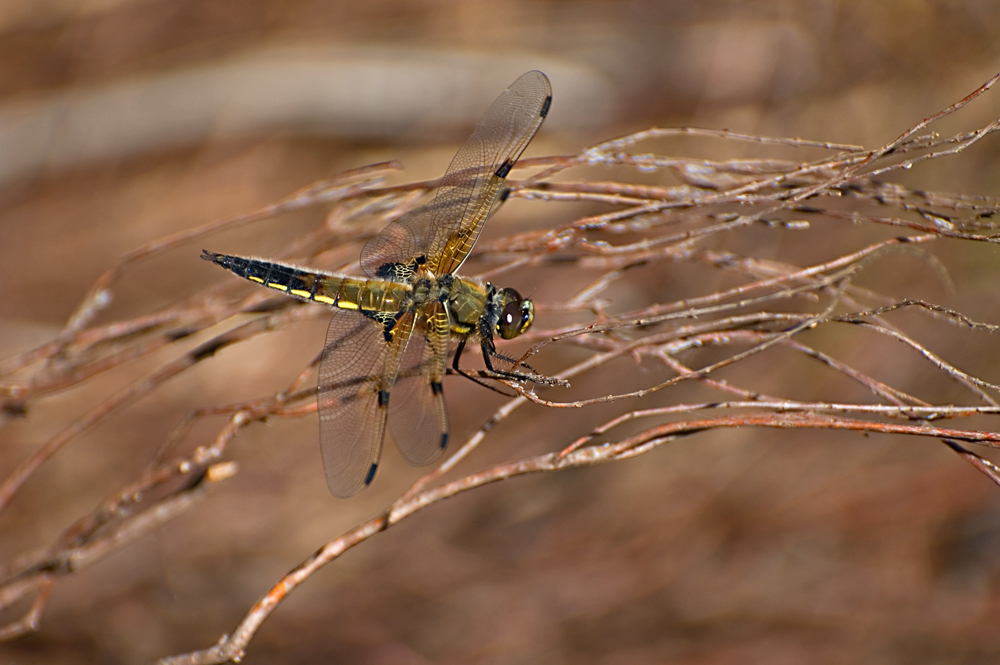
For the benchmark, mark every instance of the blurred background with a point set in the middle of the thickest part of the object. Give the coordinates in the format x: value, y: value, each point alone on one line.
x: 122, y: 121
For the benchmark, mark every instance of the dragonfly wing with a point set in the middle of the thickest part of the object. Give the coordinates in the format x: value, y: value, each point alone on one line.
x: 445, y: 230
x: 473, y: 187
x: 396, y: 243
x: 356, y: 371
x: 418, y: 418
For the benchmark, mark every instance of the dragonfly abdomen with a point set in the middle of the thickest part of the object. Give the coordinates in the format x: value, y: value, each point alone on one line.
x: 368, y: 296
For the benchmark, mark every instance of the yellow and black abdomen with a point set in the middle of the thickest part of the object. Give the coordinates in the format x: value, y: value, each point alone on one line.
x: 369, y: 296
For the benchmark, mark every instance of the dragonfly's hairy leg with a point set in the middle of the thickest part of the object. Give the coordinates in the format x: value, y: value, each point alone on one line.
x: 462, y: 372
x: 490, y: 351
x: 515, y: 361
x: 458, y: 354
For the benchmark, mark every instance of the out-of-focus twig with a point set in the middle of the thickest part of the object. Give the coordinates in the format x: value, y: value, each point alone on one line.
x: 633, y: 233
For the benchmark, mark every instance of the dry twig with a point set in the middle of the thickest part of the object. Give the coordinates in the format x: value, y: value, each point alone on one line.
x: 691, y: 210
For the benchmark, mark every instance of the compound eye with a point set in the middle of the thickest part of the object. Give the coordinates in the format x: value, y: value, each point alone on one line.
x: 516, y: 316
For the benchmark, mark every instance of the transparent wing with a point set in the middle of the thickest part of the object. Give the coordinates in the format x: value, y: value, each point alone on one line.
x: 356, y: 371
x: 445, y: 230
x: 418, y: 418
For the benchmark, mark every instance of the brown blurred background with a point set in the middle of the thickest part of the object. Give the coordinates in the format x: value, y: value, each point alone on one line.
x: 124, y: 120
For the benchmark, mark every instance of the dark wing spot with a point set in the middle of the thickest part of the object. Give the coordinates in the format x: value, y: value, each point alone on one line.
x: 436, y: 387
x: 504, y: 193
x: 505, y: 169
x: 545, y: 106
x: 383, y: 398
x: 386, y: 270
x: 444, y: 440
x: 397, y: 272
x: 371, y: 474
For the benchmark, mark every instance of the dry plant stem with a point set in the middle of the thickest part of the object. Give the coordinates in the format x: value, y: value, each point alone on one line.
x: 112, y: 525
x: 918, y: 413
x: 987, y: 467
x: 910, y: 224
x: 886, y: 149
x: 877, y: 388
x: 330, y: 189
x: 970, y: 382
x: 714, y: 198
x: 801, y: 324
x: 77, y: 550
x: 31, y: 621
x: 232, y: 647
x: 79, y: 369
x: 720, y: 301
x: 12, y: 484
x: 115, y: 523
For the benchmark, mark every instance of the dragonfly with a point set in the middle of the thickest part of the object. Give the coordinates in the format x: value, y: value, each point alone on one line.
x: 391, y: 330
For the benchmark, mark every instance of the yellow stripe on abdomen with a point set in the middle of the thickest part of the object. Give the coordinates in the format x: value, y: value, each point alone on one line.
x: 369, y: 296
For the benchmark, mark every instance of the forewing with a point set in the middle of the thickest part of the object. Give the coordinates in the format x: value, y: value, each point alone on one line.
x: 418, y: 418
x: 355, y: 374
x: 397, y: 242
x: 445, y: 230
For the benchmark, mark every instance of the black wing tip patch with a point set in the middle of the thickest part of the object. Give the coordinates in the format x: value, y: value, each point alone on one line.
x: 545, y: 106
x: 371, y: 474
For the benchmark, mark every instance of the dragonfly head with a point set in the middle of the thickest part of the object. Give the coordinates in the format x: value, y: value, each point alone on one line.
x: 516, y: 314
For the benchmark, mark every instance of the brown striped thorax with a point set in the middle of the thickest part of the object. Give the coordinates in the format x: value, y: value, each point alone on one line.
x: 387, y: 346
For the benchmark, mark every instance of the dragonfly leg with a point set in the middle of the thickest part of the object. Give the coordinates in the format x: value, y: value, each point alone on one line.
x: 462, y: 372
x: 458, y: 354
x: 490, y: 352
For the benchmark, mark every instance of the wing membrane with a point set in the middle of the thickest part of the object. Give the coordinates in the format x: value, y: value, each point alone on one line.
x: 445, y: 230
x: 356, y: 371
x: 418, y: 418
